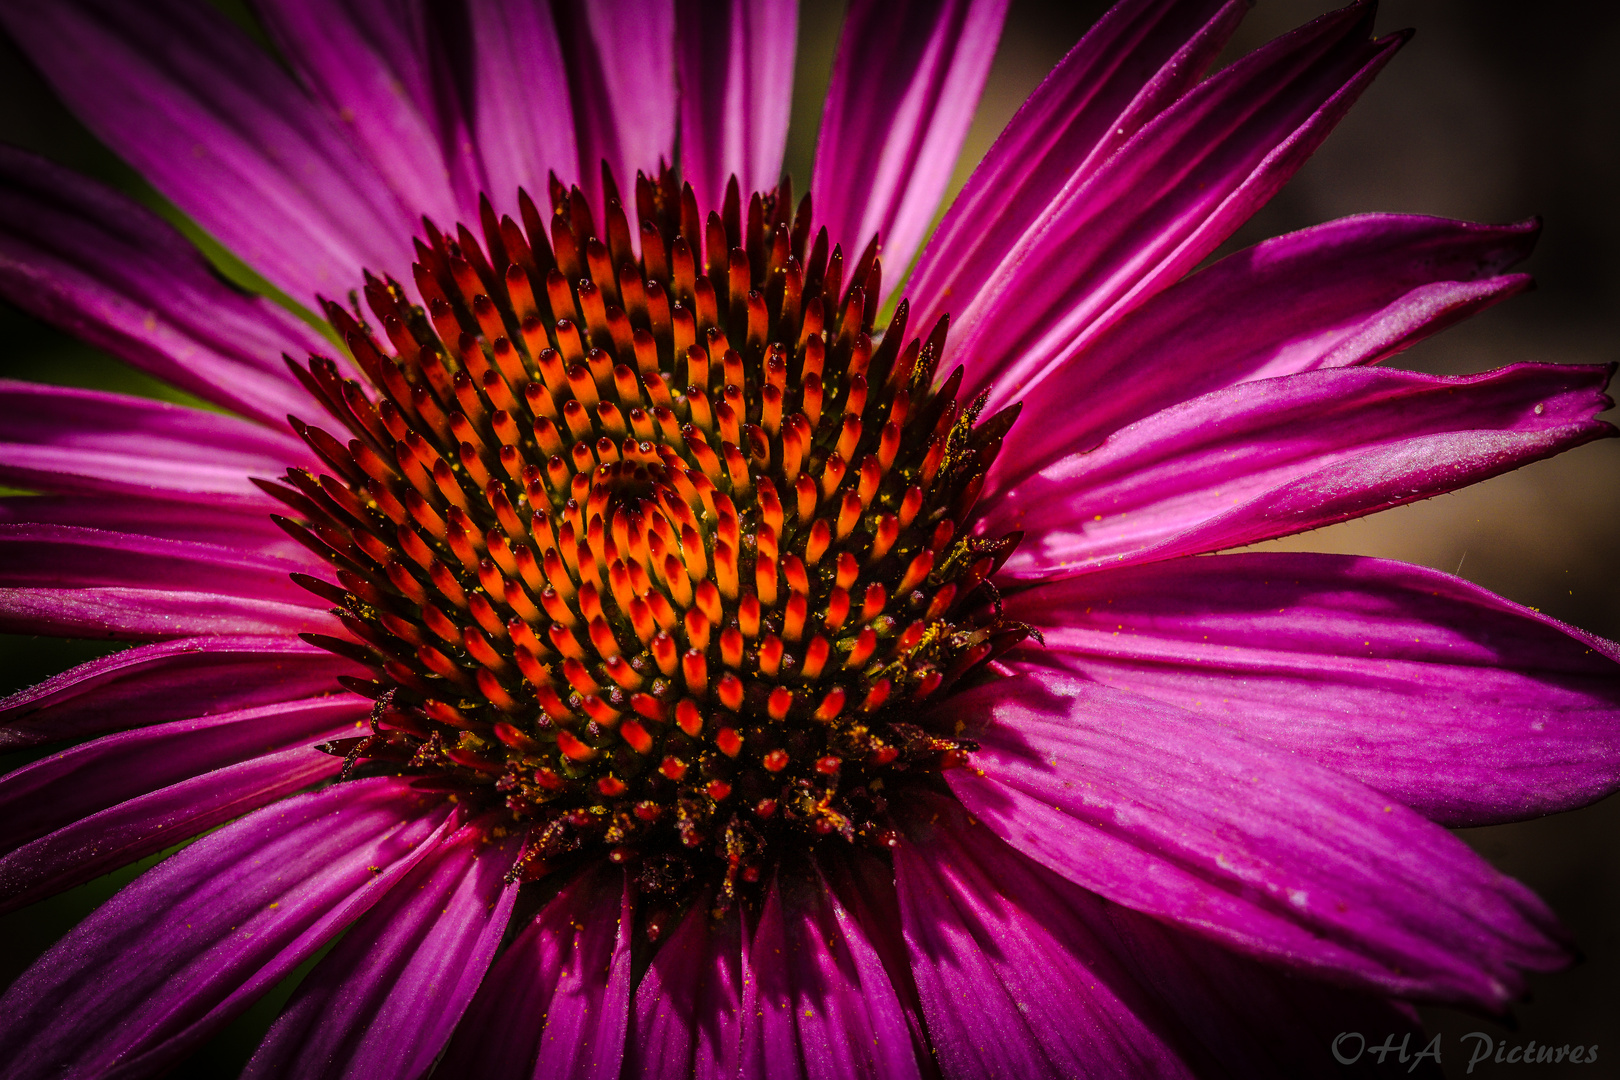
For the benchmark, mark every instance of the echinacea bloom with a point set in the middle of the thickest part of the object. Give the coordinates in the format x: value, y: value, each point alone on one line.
x: 658, y: 651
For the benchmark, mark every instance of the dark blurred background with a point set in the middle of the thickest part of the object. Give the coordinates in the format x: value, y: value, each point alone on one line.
x: 1496, y: 111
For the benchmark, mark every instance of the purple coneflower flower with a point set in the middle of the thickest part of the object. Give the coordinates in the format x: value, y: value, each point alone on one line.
x: 810, y: 684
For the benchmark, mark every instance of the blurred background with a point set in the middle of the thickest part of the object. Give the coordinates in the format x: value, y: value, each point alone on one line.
x: 1496, y: 111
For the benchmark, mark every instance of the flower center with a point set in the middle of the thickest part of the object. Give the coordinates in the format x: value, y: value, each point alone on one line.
x: 658, y: 553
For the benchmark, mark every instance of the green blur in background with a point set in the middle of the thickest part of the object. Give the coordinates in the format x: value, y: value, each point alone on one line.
x: 1495, y: 112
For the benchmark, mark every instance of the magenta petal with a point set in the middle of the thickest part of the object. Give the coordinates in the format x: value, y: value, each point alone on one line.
x: 169, y: 680
x: 1350, y: 292
x: 686, y: 1020
x: 90, y: 442
x: 819, y: 1002
x: 735, y: 65
x: 1465, y: 707
x: 863, y: 882
x: 191, y: 943
x: 1137, y: 59
x: 218, y: 127
x: 1056, y: 981
x: 55, y: 791
x: 557, y: 1002
x: 85, y: 849
x: 1161, y: 202
x: 1280, y: 456
x: 1254, y: 1020
x: 621, y: 77
x: 383, y: 1003
x: 589, y: 1014
x: 905, y: 84
x: 119, y: 612
x: 1163, y: 811
x: 519, y: 101
x: 248, y: 530
x: 114, y: 274
x: 1015, y: 965
x: 89, y: 583
x: 369, y: 62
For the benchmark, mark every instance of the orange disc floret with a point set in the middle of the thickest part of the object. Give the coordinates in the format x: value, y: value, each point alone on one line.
x: 623, y: 536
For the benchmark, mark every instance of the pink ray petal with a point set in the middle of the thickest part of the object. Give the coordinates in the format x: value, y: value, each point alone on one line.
x: 1161, y: 202
x: 819, y: 1003
x: 224, y: 132
x: 1165, y: 812
x: 905, y: 84
x: 1076, y: 985
x: 119, y: 835
x: 1280, y: 456
x: 520, y: 106
x: 686, y: 1021
x: 370, y: 62
x: 107, y: 270
x: 55, y: 791
x: 384, y: 1002
x: 1139, y: 58
x: 1466, y: 707
x: 735, y: 64
x: 190, y: 944
x: 168, y: 680
x: 91, y: 442
x: 621, y: 77
x: 247, y: 530
x: 85, y: 582
x: 557, y: 1002
x: 1350, y: 292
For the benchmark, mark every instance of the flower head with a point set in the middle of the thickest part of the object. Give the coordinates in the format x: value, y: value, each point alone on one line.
x: 680, y: 582
x: 823, y: 670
